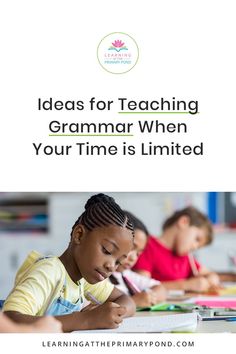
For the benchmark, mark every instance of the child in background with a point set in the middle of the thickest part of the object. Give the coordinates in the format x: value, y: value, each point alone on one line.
x: 144, y: 291
x: 169, y: 258
x: 43, y: 325
x: 101, y: 239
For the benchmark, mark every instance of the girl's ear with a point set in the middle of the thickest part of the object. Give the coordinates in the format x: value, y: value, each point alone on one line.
x: 183, y: 221
x: 78, y: 234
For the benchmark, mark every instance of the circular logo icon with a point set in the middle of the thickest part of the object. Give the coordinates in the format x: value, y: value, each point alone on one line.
x: 117, y: 53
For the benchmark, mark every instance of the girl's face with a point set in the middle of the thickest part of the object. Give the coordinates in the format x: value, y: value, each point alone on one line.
x: 188, y: 238
x: 140, y: 240
x: 98, y: 253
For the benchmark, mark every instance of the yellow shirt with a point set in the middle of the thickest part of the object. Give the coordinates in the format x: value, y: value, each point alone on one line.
x: 39, y: 282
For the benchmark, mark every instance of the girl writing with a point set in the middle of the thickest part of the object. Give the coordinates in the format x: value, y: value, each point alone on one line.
x: 101, y: 239
x: 144, y: 291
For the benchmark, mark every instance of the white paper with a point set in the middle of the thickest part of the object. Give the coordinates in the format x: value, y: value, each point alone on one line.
x: 145, y: 324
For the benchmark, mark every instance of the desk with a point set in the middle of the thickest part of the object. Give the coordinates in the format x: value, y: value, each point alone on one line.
x: 203, y: 326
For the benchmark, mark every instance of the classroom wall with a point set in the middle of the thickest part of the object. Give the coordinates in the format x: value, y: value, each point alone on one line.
x: 64, y: 209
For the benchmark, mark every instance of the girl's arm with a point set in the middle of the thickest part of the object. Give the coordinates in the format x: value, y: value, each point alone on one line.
x: 123, y: 300
x: 107, y: 315
x: 6, y: 325
x: 71, y: 322
x: 47, y: 324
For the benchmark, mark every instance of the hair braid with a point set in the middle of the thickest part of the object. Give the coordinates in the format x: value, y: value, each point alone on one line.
x: 102, y: 210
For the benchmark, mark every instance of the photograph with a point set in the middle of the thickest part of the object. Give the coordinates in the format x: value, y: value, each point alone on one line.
x: 107, y: 262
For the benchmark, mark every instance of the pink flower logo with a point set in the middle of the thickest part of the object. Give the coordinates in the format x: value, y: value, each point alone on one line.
x: 118, y: 45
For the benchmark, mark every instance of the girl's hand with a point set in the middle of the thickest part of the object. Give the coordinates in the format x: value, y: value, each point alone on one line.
x: 46, y: 324
x: 161, y: 292
x: 107, y: 315
x: 146, y: 298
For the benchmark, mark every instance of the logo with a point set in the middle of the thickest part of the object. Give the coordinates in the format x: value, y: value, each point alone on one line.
x: 118, y: 45
x: 117, y: 53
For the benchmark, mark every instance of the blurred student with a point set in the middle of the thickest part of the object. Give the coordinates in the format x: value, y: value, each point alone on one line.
x: 169, y: 258
x: 43, y: 325
x: 144, y: 291
x: 101, y: 239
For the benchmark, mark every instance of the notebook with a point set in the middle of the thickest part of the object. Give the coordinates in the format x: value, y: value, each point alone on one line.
x: 156, y: 324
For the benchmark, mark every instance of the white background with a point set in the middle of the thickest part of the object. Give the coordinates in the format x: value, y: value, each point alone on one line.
x: 49, y: 50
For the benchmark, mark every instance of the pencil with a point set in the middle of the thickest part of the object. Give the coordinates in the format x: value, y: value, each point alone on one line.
x: 193, y: 265
x: 92, y: 298
x: 130, y: 285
